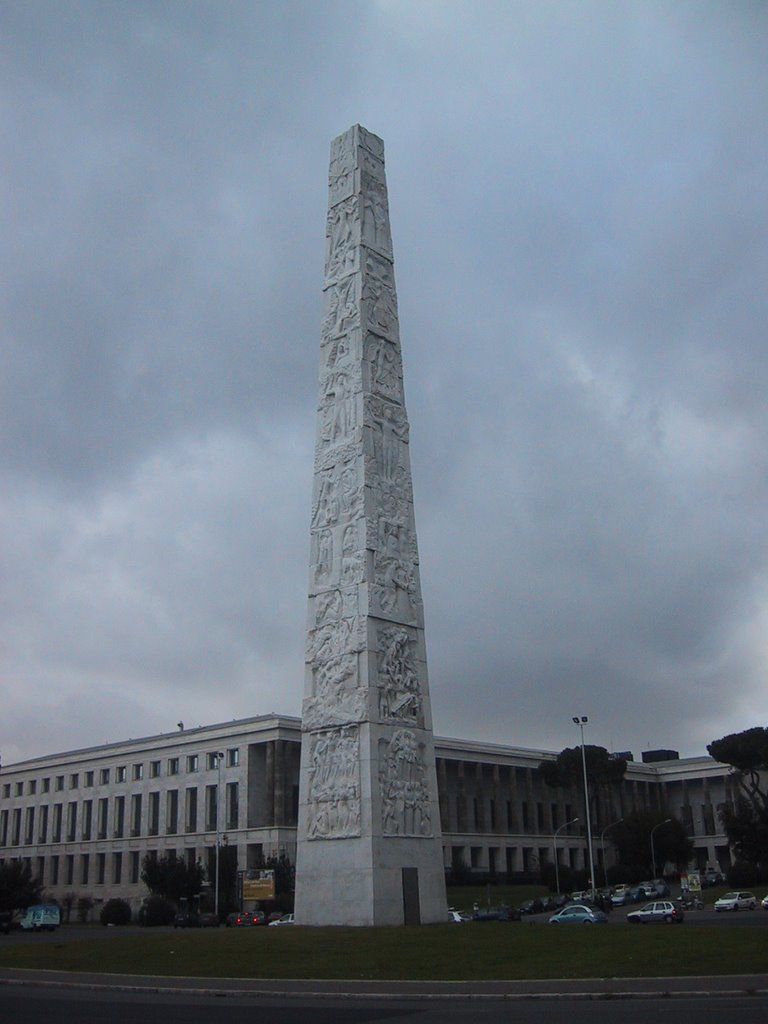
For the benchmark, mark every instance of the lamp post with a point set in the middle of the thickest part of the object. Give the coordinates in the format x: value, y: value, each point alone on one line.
x: 602, y: 847
x: 554, y: 850
x: 653, y: 851
x: 219, y: 758
x: 581, y: 721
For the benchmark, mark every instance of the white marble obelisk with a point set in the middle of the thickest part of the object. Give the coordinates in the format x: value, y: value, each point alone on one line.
x: 369, y: 843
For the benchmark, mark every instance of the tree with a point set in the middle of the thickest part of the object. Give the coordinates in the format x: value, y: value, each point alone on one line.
x: 631, y: 838
x: 18, y: 887
x: 746, y: 821
x: 604, y: 771
x: 747, y: 752
x: 172, y: 877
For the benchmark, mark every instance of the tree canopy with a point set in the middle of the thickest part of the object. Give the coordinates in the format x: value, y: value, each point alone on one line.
x: 631, y: 838
x: 747, y: 752
x: 18, y: 886
x: 566, y: 770
x: 172, y: 877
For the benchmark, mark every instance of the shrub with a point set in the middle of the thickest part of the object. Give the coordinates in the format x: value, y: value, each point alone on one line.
x: 156, y: 911
x: 84, y: 907
x: 115, y: 912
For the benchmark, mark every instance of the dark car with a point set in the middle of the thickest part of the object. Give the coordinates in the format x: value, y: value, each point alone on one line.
x: 209, y: 921
x: 496, y: 914
x: 246, y: 919
x: 535, y: 906
x: 186, y: 920
x: 5, y: 922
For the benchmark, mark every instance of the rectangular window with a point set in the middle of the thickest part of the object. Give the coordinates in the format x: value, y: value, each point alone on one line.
x: 4, y: 827
x: 101, y: 817
x: 136, y: 814
x: 101, y: 868
x: 193, y: 763
x: 212, y: 760
x: 74, y: 780
x: 120, y: 773
x: 119, y: 817
x: 6, y: 791
x: 172, y: 812
x: 59, y: 783
x: 233, y: 757
x: 88, y: 780
x: 153, y: 825
x: 42, y: 825
x: 134, y: 866
x: 540, y: 817
x: 232, y: 805
x: 32, y: 787
x: 211, y: 804
x: 154, y: 769
x: 71, y: 821
x: 16, y: 828
x: 173, y: 766
x: 57, y: 814
x: 138, y: 772
x: 54, y: 870
x: 29, y: 827
x: 85, y: 863
x: 46, y: 785
x: 87, y: 818
x: 104, y: 776
x: 190, y: 810
x: 117, y: 868
x: 69, y: 869
x: 19, y: 789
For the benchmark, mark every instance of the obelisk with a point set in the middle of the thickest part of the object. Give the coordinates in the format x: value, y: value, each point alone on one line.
x: 369, y: 849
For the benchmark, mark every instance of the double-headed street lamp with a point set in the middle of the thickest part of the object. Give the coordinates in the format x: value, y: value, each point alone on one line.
x: 581, y: 721
x: 554, y: 850
x: 653, y: 852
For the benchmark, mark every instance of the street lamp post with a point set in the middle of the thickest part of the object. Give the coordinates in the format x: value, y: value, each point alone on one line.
x: 602, y: 847
x: 653, y: 851
x: 554, y: 850
x: 581, y: 721
x: 219, y: 758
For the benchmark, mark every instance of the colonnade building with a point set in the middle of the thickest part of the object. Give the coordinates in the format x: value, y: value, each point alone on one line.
x: 86, y: 819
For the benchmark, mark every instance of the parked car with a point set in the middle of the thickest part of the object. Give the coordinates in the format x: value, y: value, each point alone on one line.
x: 185, y: 919
x: 534, y: 906
x: 764, y: 902
x: 5, y: 922
x: 285, y: 919
x: 496, y: 914
x: 456, y: 917
x: 209, y: 921
x: 736, y: 901
x: 659, y: 910
x: 579, y: 913
x: 621, y: 896
x: 246, y: 918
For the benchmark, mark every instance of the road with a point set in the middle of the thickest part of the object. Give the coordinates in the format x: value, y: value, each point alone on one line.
x: 66, y: 1007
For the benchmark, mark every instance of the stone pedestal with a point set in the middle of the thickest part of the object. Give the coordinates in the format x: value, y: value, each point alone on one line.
x: 369, y: 845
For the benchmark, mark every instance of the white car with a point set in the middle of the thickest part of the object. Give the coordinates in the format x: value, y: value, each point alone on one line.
x: 736, y: 901
x: 764, y: 902
x: 457, y: 917
x: 285, y: 919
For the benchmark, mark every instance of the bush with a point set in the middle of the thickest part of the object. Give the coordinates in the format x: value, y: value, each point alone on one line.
x: 743, y: 875
x: 156, y: 911
x: 115, y: 912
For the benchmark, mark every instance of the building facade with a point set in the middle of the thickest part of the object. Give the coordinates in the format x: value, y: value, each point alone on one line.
x: 85, y: 820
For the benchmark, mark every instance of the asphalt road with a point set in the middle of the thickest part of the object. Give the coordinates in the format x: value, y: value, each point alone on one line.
x: 65, y: 1007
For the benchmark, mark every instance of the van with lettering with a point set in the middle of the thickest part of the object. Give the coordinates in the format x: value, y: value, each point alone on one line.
x: 42, y: 916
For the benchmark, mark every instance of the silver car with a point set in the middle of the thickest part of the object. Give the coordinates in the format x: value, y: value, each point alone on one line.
x: 736, y: 901
x: 578, y: 914
x: 659, y: 910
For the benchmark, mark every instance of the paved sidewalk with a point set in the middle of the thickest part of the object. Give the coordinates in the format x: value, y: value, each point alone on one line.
x: 588, y: 988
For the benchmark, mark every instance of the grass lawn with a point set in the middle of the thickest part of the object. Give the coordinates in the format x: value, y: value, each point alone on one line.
x: 440, y: 952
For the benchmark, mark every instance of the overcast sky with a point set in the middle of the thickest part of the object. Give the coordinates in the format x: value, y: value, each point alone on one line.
x: 579, y: 203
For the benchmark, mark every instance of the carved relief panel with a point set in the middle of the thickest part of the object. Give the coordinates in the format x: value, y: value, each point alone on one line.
x: 382, y: 368
x: 333, y: 652
x: 405, y: 804
x: 343, y: 233
x: 334, y: 784
x: 398, y: 676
